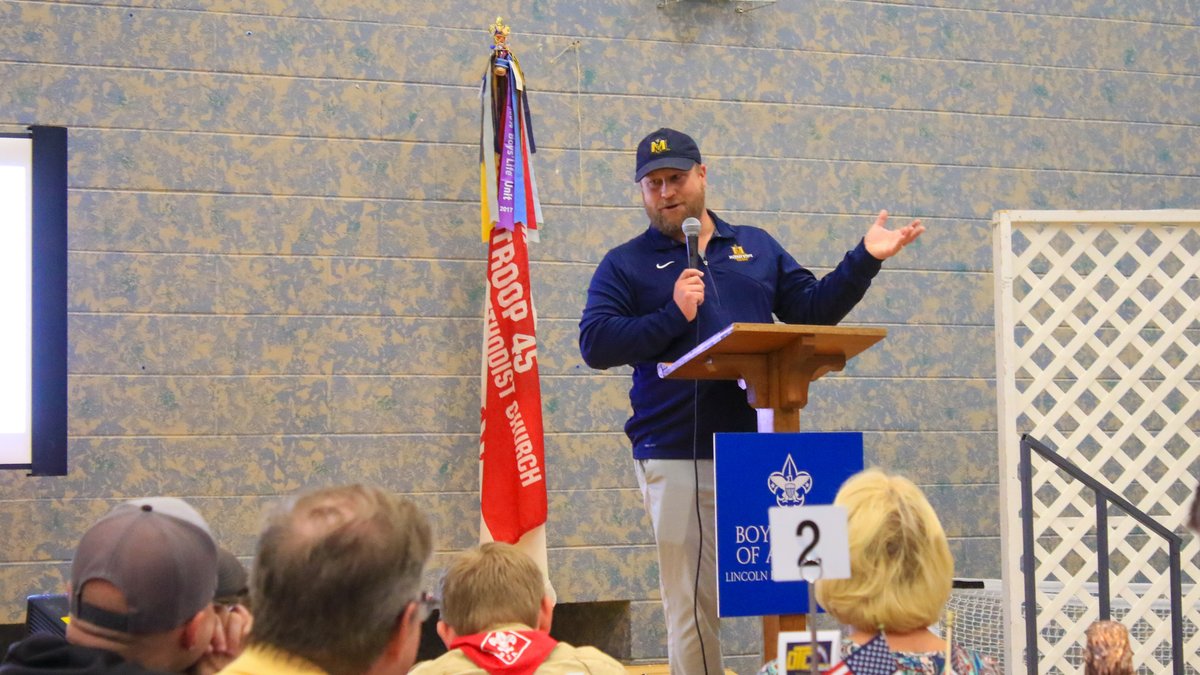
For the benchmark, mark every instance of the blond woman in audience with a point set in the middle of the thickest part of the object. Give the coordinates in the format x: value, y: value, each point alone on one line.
x: 901, y: 574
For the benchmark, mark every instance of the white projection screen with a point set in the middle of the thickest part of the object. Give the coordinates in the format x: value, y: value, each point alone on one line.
x: 16, y: 327
x: 33, y: 276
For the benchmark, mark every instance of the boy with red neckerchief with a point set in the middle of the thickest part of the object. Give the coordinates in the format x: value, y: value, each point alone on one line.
x: 496, y: 620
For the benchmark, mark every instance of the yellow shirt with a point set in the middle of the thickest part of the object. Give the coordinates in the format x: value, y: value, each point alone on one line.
x: 263, y: 660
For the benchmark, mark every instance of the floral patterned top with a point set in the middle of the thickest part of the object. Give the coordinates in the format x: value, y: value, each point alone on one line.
x: 931, y: 663
x: 918, y: 663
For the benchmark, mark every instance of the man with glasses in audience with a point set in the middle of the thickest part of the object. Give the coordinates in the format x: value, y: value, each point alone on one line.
x: 335, y: 586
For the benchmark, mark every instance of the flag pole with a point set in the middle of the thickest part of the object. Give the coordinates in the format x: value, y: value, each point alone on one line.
x: 512, y: 477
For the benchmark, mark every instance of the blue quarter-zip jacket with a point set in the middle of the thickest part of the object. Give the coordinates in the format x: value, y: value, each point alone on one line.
x: 631, y: 319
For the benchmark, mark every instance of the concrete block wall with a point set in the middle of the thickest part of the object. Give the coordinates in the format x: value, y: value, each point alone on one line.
x: 276, y: 276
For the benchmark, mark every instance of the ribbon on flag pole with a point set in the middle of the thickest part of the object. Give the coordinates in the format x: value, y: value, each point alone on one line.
x: 507, y: 184
x: 511, y: 450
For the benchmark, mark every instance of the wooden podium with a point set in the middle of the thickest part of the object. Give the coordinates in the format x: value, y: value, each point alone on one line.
x: 776, y: 362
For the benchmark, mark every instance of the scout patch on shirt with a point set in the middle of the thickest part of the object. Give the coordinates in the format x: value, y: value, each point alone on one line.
x: 739, y: 254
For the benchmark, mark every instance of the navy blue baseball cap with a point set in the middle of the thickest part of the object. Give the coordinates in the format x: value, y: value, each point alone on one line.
x: 666, y: 149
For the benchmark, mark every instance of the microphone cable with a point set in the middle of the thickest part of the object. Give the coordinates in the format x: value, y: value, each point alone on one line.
x: 699, y: 517
x: 696, y: 491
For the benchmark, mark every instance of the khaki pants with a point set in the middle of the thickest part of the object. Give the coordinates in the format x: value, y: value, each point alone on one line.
x: 669, y: 492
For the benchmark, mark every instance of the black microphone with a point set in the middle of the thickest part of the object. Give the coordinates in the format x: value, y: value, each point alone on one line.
x: 691, y: 230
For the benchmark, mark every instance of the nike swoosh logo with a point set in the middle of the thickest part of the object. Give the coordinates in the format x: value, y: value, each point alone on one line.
x: 664, y: 265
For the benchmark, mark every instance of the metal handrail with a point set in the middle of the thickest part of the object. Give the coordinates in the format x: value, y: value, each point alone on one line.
x: 1104, y: 495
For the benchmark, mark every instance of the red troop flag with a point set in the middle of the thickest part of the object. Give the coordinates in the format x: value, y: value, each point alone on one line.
x: 511, y: 452
x: 513, y: 491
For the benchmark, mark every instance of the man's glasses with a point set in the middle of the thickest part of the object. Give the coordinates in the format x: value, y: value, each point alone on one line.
x: 426, y: 603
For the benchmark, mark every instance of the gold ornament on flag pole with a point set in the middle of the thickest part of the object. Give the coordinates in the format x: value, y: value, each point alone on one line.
x: 500, y: 38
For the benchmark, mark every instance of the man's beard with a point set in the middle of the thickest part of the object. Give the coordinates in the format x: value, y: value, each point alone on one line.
x: 671, y: 230
x: 675, y: 230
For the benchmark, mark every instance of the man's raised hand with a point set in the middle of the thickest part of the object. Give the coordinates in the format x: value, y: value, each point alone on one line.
x: 883, y: 243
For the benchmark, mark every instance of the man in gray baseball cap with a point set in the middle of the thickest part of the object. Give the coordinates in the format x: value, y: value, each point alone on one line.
x: 141, y: 597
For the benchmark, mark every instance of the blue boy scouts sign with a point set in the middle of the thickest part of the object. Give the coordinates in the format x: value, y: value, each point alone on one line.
x: 755, y: 472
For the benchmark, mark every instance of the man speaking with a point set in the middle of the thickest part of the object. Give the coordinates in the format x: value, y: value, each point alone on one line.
x: 646, y: 304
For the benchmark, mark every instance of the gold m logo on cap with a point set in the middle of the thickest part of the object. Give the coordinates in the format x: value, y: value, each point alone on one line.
x: 658, y: 146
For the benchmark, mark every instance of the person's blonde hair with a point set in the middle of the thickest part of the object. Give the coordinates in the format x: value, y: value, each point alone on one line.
x: 491, y: 585
x: 900, y: 564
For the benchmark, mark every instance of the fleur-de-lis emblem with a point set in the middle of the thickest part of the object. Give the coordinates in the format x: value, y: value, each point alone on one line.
x: 505, y: 645
x: 789, y: 485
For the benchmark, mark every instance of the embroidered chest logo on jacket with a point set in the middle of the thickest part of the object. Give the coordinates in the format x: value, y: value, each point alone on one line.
x: 739, y: 254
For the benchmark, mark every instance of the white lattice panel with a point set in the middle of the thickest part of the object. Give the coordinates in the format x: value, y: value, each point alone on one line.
x: 1097, y: 325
